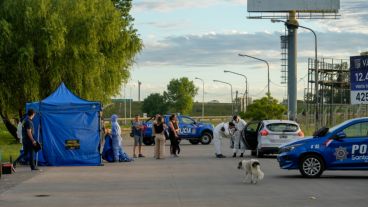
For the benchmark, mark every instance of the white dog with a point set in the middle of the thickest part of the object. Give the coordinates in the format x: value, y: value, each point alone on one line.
x: 252, y: 170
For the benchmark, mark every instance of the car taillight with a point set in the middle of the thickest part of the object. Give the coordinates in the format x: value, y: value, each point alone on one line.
x: 264, y: 133
x: 301, y: 134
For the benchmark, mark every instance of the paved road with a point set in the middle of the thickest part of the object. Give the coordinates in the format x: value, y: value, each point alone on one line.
x: 196, y: 178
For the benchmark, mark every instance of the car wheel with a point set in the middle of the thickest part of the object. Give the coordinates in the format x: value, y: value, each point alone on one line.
x: 259, y: 153
x: 311, y: 166
x: 148, y: 141
x: 194, y: 141
x: 206, y: 138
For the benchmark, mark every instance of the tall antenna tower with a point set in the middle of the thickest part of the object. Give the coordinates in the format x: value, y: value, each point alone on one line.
x: 290, y: 11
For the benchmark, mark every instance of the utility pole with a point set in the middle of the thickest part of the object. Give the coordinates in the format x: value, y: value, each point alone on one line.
x: 139, y: 91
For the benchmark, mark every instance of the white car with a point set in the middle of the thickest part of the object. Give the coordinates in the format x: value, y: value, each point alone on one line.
x: 265, y: 137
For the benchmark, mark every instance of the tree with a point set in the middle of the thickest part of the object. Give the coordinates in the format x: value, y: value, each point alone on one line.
x: 155, y: 104
x: 264, y: 108
x: 180, y: 94
x: 87, y: 44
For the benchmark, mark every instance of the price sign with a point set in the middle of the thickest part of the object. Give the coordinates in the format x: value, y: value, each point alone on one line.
x: 359, y: 80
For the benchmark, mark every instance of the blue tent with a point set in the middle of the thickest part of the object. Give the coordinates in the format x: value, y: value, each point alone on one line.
x: 68, y: 128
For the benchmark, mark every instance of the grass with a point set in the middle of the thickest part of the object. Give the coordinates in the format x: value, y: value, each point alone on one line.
x: 8, y: 145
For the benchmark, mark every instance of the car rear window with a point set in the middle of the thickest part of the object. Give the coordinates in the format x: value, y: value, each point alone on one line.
x: 282, y: 127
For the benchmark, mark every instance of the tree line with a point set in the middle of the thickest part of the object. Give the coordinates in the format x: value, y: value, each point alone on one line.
x: 89, y: 45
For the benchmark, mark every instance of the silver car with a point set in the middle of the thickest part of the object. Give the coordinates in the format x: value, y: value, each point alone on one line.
x: 265, y: 137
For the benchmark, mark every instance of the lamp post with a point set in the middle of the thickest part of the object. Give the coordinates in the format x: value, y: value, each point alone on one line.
x: 202, y: 95
x: 268, y: 71
x: 231, y: 91
x: 315, y: 64
x: 246, y: 87
x: 139, y: 91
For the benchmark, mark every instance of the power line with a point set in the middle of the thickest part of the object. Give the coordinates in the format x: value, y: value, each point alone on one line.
x: 277, y: 84
x: 258, y: 94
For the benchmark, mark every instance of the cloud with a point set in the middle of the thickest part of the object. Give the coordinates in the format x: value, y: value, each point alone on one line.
x: 222, y: 48
x: 168, y: 6
x: 168, y: 24
x: 354, y: 15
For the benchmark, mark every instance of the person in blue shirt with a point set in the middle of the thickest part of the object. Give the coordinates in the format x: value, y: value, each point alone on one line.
x: 138, y: 136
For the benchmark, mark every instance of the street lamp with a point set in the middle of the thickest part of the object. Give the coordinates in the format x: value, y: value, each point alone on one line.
x: 315, y: 62
x: 246, y: 86
x: 139, y: 91
x: 231, y: 88
x: 202, y: 95
x: 268, y: 71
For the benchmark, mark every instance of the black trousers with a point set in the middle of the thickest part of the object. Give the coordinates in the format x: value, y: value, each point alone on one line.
x: 174, y: 145
x: 27, y: 150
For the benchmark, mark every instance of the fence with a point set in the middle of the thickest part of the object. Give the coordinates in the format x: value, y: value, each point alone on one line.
x: 332, y: 114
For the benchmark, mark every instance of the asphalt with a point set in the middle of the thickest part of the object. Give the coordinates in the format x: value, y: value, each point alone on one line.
x: 196, y: 178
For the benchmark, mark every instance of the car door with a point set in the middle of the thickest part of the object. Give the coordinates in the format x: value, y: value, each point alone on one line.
x: 350, y: 151
x: 250, y: 134
x: 187, y: 127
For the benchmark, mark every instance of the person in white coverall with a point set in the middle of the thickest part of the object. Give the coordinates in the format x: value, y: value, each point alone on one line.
x: 222, y: 130
x: 239, y: 143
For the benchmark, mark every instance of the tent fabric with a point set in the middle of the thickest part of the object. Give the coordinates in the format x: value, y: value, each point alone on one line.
x: 68, y: 128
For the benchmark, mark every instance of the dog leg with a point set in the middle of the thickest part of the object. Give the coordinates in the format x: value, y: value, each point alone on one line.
x: 245, y: 177
x: 253, y: 179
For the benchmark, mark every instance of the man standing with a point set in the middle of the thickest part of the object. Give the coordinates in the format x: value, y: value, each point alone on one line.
x: 239, y: 143
x: 28, y: 140
x: 138, y: 136
x: 220, y: 131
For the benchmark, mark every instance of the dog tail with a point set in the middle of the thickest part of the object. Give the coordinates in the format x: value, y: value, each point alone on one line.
x: 260, y: 173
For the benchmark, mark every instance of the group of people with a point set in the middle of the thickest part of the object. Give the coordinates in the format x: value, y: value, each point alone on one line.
x: 233, y: 131
x: 161, y: 132
x: 113, y: 150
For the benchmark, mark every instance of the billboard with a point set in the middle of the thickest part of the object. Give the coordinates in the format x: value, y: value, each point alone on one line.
x: 359, y: 80
x: 317, y: 6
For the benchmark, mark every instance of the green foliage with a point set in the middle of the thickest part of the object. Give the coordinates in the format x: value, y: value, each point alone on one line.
x: 87, y: 44
x: 8, y: 145
x: 264, y: 108
x: 155, y: 104
x: 180, y: 94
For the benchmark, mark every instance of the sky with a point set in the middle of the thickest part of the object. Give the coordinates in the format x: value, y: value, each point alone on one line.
x: 190, y: 38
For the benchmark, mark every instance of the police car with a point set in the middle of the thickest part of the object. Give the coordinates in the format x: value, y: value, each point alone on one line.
x: 343, y: 147
x: 189, y: 129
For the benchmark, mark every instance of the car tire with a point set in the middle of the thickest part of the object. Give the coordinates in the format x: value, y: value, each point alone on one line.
x: 148, y: 141
x: 259, y: 153
x: 311, y: 166
x: 194, y: 141
x: 206, y: 138
x: 253, y: 153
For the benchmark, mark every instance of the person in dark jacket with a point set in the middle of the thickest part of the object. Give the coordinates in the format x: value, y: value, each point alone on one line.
x: 28, y: 141
x: 174, y: 135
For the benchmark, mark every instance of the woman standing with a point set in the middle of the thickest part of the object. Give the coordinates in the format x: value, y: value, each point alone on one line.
x: 158, y: 130
x: 174, y: 135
